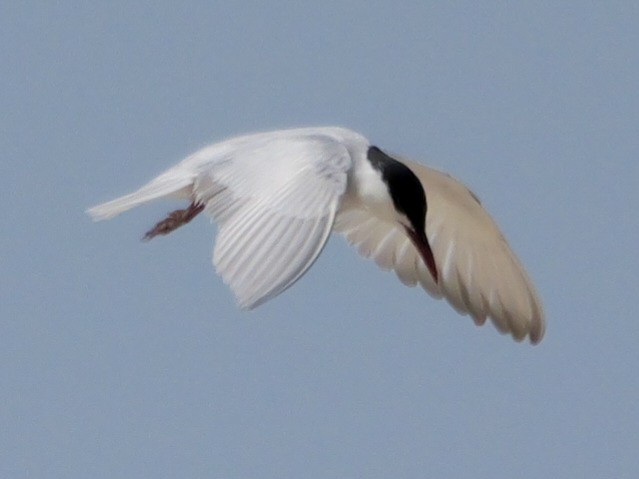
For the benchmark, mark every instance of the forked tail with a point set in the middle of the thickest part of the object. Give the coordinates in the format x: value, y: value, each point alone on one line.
x: 167, y: 184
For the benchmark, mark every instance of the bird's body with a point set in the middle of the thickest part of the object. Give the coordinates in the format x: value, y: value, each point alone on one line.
x: 277, y: 196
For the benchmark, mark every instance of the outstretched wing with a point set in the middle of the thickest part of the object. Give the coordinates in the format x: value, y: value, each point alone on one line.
x: 275, y: 201
x: 478, y: 272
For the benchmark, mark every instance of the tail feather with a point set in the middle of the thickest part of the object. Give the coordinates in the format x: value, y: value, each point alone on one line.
x: 164, y: 185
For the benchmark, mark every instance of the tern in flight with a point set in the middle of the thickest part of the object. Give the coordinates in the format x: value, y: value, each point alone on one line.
x: 277, y: 196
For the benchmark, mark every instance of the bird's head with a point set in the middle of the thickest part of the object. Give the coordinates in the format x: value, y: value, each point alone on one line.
x: 409, y: 200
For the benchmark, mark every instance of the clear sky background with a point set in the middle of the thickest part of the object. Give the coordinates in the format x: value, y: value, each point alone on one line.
x: 125, y: 359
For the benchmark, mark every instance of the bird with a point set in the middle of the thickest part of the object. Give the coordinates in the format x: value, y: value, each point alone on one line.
x: 277, y: 196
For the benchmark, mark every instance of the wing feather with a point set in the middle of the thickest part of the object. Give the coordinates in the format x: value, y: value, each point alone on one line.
x: 406, y: 262
x: 275, y: 203
x: 479, y: 273
x: 258, y: 266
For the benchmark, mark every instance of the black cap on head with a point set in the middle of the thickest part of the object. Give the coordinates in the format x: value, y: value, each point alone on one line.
x: 404, y: 187
x: 408, y: 197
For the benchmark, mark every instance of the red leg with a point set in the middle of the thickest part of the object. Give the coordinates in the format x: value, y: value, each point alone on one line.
x: 174, y: 220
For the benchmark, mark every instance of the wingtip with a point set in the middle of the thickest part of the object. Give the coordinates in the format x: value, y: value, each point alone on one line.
x: 538, y: 322
x: 248, y: 304
x: 534, y: 333
x: 537, y: 332
x: 534, y: 329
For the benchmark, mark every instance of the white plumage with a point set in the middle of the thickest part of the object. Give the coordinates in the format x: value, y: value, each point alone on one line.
x: 277, y: 196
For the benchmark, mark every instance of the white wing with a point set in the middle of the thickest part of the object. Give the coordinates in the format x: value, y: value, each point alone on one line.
x: 275, y: 202
x: 274, y: 196
x: 478, y: 272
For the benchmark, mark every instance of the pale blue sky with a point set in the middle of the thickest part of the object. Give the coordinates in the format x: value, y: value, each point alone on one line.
x: 125, y: 359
